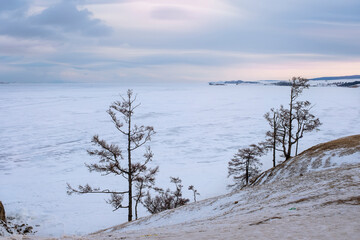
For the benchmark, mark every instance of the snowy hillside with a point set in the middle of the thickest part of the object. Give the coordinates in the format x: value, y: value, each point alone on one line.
x: 292, y: 201
x: 322, y: 156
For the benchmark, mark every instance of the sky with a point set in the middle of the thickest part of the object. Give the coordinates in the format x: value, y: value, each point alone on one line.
x: 177, y: 40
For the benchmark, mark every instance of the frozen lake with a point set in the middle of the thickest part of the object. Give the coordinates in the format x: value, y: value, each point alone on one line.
x: 45, y: 130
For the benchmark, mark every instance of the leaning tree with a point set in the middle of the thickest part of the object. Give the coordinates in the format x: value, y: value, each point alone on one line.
x: 245, y: 165
x: 112, y: 160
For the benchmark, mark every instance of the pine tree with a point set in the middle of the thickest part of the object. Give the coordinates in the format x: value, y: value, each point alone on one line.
x: 245, y: 165
x: 113, y: 161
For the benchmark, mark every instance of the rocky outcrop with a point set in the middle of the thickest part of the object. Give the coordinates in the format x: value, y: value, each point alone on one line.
x: 2, y: 212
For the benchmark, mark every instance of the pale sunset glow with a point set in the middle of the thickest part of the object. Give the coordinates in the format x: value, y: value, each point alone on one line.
x: 146, y: 40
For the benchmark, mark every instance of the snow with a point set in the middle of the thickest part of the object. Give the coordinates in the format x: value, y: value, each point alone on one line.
x: 318, y: 205
x: 46, y: 129
x: 328, y: 197
x: 310, y: 162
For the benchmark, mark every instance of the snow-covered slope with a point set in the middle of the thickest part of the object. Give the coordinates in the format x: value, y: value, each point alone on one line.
x: 322, y: 156
x: 316, y: 195
x: 313, y: 196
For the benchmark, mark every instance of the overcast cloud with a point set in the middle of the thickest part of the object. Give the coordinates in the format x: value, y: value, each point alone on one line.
x: 150, y: 40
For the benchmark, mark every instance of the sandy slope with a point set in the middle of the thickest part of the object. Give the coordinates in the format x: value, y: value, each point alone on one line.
x: 327, y: 206
x: 320, y: 203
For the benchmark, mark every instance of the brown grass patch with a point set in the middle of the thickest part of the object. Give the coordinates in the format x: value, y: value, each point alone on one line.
x: 348, y: 145
x: 352, y: 143
x: 351, y: 201
x: 305, y: 199
x: 264, y: 221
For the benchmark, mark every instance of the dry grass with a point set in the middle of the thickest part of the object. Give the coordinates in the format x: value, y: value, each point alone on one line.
x: 344, y: 146
x: 305, y: 199
x: 352, y: 201
x: 350, y: 145
x: 264, y: 221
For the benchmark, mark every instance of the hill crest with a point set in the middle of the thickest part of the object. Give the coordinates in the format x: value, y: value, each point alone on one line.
x: 319, y: 157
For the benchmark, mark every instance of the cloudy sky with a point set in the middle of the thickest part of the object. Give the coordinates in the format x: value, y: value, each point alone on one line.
x: 173, y: 40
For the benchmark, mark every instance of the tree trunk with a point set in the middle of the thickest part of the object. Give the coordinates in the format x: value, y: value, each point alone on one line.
x: 136, y: 214
x: 297, y: 144
x: 130, y: 170
x: 274, y: 140
x: 2, y: 213
x: 288, y: 154
x: 247, y: 172
x: 274, y: 155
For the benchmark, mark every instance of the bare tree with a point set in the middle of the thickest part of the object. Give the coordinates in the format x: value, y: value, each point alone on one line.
x: 298, y: 84
x: 304, y: 120
x: 166, y: 199
x: 111, y: 158
x: 273, y: 137
x: 245, y: 165
x: 195, y: 192
x: 289, y: 125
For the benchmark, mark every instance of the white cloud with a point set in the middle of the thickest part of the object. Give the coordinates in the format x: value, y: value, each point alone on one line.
x: 171, y: 15
x: 34, y: 10
x: 202, y: 40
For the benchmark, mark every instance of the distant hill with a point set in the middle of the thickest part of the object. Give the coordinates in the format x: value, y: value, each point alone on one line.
x: 240, y: 82
x: 337, y: 78
x: 236, y: 82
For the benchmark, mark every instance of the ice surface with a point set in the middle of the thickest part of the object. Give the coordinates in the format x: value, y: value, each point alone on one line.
x: 46, y: 129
